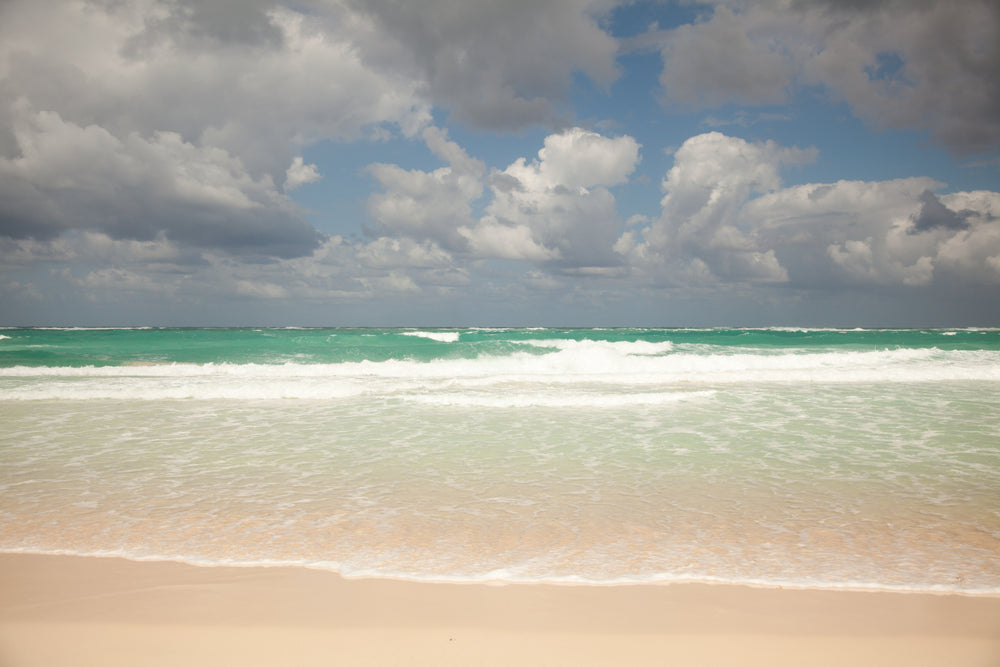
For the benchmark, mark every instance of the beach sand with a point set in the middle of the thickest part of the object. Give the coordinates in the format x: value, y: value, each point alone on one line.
x: 69, y: 610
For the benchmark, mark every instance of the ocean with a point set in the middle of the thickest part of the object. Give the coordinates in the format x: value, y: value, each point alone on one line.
x: 781, y: 457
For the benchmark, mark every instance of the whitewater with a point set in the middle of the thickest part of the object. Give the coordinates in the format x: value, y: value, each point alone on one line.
x: 794, y: 457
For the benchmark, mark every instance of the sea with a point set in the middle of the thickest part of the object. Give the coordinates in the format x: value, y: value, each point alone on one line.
x: 810, y: 458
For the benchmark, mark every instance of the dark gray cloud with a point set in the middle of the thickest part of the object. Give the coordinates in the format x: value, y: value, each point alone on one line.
x: 498, y: 65
x: 845, y: 6
x: 711, y: 63
x: 211, y: 22
x: 196, y: 26
x: 923, y: 65
x: 935, y: 215
x: 147, y: 214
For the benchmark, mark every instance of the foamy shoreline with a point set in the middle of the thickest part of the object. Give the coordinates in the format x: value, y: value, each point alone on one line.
x: 57, y: 609
x: 507, y: 579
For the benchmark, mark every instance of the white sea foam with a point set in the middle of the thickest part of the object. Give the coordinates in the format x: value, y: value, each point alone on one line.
x: 138, y: 328
x: 165, y: 387
x: 439, y: 336
x: 515, y: 575
x: 622, y: 368
x: 558, y: 399
x: 592, y: 347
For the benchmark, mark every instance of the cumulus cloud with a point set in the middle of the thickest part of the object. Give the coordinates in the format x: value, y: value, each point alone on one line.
x: 71, y: 177
x: 178, y: 118
x: 578, y: 158
x: 970, y: 255
x: 395, y: 253
x: 698, y: 237
x: 428, y: 205
x: 848, y: 233
x: 252, y: 78
x: 919, y: 65
x: 179, y: 125
x: 299, y: 173
x: 726, y: 220
x: 558, y: 206
x: 491, y: 238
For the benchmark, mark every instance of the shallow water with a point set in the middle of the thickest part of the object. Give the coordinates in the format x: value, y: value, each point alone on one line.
x: 829, y: 458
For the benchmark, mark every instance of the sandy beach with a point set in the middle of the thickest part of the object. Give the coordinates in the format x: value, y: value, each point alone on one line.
x: 62, y: 610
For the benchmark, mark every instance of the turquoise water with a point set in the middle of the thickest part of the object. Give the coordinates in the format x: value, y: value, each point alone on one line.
x: 822, y: 458
x: 117, y: 347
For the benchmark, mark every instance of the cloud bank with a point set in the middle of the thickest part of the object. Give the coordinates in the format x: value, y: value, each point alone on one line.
x: 154, y: 148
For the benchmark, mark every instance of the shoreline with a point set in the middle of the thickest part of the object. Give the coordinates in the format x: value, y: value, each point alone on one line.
x: 104, y: 610
x: 500, y: 581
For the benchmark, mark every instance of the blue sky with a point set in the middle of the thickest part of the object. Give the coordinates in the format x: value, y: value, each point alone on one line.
x: 559, y: 162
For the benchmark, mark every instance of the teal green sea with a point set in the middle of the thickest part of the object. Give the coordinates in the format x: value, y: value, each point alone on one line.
x: 113, y: 347
x: 795, y: 457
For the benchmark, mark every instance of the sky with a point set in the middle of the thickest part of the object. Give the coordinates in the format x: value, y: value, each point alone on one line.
x: 485, y: 163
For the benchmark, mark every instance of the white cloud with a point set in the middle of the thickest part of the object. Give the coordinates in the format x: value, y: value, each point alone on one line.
x: 299, y: 173
x: 860, y: 263
x: 287, y: 78
x: 393, y: 282
x: 428, y: 205
x: 852, y: 233
x: 558, y: 206
x: 491, y: 238
x: 970, y: 255
x: 394, y: 253
x: 72, y: 177
x: 849, y: 232
x: 698, y: 235
x: 578, y: 158
x: 726, y: 219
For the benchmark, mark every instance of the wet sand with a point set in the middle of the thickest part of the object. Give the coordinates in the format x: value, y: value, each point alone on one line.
x: 70, y: 610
